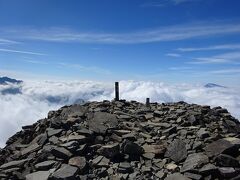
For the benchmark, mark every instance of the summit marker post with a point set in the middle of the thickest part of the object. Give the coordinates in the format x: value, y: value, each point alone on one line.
x: 116, y: 91
x: 147, y: 102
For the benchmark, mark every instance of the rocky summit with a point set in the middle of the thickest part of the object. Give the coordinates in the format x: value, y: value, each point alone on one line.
x: 126, y: 140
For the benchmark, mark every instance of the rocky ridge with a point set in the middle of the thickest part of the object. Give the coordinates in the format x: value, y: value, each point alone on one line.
x: 126, y: 140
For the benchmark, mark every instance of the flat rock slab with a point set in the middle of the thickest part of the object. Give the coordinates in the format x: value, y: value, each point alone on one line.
x: 61, y: 152
x: 155, y: 149
x: 226, y: 146
x: 12, y: 164
x: 177, y: 176
x: 110, y: 150
x: 74, y: 137
x: 177, y: 150
x: 194, y: 161
x: 102, y: 121
x: 45, y: 165
x: 65, y: 172
x: 29, y: 149
x: 53, y: 132
x: 39, y: 175
x: 78, y: 161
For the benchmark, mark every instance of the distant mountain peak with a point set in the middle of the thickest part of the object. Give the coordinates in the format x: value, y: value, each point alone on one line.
x: 212, y: 85
x: 6, y: 80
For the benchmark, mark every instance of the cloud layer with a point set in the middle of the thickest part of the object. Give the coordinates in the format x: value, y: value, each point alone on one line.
x: 37, y: 98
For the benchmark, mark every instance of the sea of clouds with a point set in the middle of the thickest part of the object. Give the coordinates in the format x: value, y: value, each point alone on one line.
x: 37, y: 98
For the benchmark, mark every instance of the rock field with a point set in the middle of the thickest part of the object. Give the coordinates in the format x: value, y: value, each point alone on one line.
x: 126, y: 140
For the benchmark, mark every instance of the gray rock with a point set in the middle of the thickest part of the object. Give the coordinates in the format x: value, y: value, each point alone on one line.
x: 39, y: 175
x: 66, y: 172
x: 78, y: 161
x: 29, y: 149
x: 110, y: 150
x: 177, y: 151
x: 193, y: 176
x: 132, y: 148
x: 177, y: 176
x: 194, y: 161
x: 12, y: 164
x: 227, y: 161
x: 208, y: 169
x: 100, y: 161
x: 226, y: 145
x: 125, y: 167
x: 53, y: 132
x: 61, y: 152
x: 102, y: 121
x: 202, y: 133
x: 227, y: 172
x: 45, y: 165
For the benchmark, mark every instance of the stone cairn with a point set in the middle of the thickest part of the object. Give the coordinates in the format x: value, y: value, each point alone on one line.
x: 126, y: 140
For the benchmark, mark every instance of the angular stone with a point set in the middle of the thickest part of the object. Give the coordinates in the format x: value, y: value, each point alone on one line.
x: 61, y: 152
x: 169, y: 131
x: 78, y: 161
x: 101, y: 161
x: 132, y: 148
x: 53, y: 132
x: 74, y: 137
x: 97, y: 123
x: 66, y: 172
x: 155, y: 149
x: 177, y: 176
x: 223, y: 146
x: 171, y: 167
x: 110, y: 150
x: 29, y: 149
x: 194, y: 161
x: 39, y: 175
x: 12, y: 164
x: 193, y: 176
x: 227, y: 172
x: 208, y: 169
x: 177, y: 150
x: 45, y: 165
x: 125, y: 167
x: 148, y: 155
x: 227, y: 161
x: 202, y: 133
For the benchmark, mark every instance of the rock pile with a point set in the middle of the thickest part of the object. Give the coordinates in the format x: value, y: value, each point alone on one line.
x: 126, y: 140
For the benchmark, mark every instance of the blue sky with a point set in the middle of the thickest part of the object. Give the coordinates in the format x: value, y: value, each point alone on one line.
x: 176, y: 41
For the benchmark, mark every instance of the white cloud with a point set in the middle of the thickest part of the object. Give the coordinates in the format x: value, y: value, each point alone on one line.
x: 7, y: 41
x: 21, y: 52
x: 161, y: 34
x: 216, y: 47
x: 231, y: 57
x: 173, y: 55
x: 163, y: 3
x: 226, y: 71
x: 38, y: 98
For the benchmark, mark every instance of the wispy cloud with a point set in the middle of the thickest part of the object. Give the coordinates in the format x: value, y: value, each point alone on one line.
x: 180, y: 68
x: 7, y: 41
x: 173, y: 55
x: 163, y: 3
x: 35, y: 61
x: 231, y: 57
x: 170, y: 33
x: 209, y: 60
x: 226, y: 71
x: 21, y: 52
x: 85, y: 68
x: 216, y: 47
